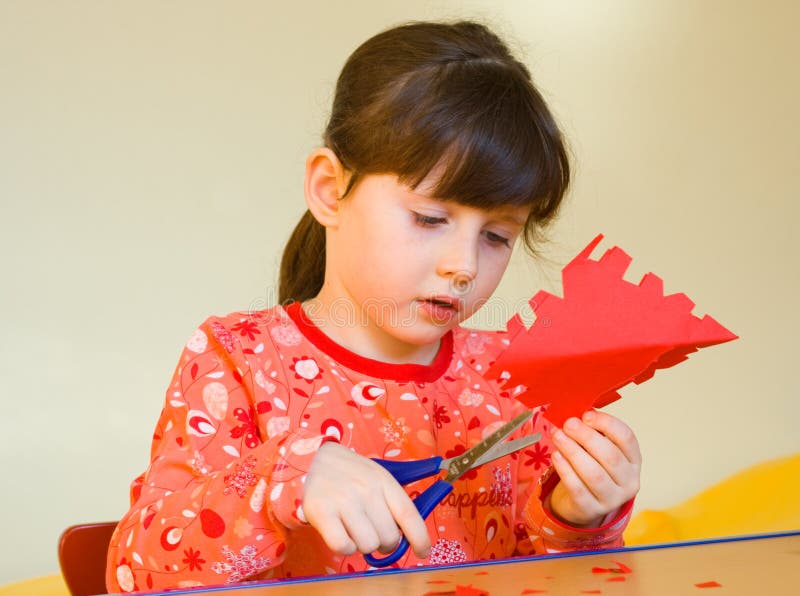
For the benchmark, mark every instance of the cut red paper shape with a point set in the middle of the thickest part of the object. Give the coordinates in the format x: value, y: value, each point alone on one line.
x: 623, y: 568
x: 620, y: 568
x: 470, y: 591
x: 605, y: 333
x: 711, y: 584
x: 618, y: 578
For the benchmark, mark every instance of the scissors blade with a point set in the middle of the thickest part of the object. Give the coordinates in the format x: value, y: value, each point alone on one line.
x: 466, y: 461
x: 502, y: 449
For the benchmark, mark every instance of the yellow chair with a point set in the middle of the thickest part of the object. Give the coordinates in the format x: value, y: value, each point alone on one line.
x: 48, y: 585
x: 759, y: 499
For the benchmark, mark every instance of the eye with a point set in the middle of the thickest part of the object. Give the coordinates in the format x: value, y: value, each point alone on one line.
x: 427, y: 221
x: 497, y: 239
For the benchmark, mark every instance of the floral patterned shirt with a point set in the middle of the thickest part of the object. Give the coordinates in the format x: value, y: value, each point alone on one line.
x: 252, y: 399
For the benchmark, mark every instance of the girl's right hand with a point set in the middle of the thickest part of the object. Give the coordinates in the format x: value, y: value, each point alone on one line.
x: 356, y: 505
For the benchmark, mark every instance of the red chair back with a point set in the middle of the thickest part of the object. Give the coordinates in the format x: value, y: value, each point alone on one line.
x: 82, y: 551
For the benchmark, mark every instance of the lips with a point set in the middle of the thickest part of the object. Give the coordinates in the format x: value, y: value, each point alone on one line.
x: 444, y: 302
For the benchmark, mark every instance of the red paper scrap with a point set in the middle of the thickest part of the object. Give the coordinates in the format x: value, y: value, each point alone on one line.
x: 532, y: 591
x: 620, y: 568
x: 438, y: 581
x: 711, y: 584
x: 605, y: 333
x: 482, y: 573
x: 623, y: 568
x: 448, y: 593
x: 470, y: 591
x: 618, y: 578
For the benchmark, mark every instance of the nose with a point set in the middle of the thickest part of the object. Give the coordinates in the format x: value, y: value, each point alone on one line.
x: 458, y: 261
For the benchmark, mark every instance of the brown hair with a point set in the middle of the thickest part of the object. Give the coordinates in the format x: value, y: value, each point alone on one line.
x: 424, y: 95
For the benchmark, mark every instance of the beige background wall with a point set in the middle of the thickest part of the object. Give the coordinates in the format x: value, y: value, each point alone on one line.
x: 151, y: 156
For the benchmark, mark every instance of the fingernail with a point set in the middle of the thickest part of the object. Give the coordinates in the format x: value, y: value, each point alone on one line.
x: 571, y: 424
x: 588, y: 417
x: 558, y: 434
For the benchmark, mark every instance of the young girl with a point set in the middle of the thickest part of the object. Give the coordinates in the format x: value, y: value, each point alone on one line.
x: 439, y: 154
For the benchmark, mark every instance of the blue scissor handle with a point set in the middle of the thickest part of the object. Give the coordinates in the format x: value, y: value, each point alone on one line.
x: 406, y: 472
x: 425, y: 503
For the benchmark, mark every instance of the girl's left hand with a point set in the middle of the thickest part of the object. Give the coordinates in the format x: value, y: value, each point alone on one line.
x: 599, y: 462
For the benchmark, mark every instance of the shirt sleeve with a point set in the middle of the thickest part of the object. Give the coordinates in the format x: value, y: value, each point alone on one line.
x: 225, y: 479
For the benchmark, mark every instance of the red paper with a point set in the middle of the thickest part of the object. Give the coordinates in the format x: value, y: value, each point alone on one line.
x: 623, y: 568
x: 709, y: 585
x: 620, y: 568
x: 470, y: 591
x: 604, y: 333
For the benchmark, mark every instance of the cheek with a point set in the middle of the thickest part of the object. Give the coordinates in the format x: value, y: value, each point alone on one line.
x: 491, y: 270
x: 494, y: 264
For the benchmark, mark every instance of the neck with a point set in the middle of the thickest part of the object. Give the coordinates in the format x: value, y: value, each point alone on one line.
x: 354, y: 327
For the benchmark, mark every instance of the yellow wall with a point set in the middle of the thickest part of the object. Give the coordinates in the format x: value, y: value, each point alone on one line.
x: 151, y: 157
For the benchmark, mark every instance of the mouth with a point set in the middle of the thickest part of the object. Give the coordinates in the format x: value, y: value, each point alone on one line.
x: 447, y: 302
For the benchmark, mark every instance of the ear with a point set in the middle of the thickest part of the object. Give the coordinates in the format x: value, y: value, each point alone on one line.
x: 325, y: 183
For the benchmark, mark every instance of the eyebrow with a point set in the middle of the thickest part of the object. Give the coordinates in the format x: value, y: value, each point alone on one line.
x: 507, y: 217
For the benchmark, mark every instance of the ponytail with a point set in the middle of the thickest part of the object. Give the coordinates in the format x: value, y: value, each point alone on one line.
x: 303, y: 262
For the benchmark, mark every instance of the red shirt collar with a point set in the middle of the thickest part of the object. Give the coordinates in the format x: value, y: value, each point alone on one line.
x: 419, y: 373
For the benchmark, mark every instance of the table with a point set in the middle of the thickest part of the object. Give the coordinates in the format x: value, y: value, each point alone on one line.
x: 761, y: 565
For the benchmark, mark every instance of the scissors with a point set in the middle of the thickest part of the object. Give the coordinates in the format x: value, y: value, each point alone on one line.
x: 491, y: 448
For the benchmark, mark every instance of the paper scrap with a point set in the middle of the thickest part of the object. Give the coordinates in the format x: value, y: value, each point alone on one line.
x: 469, y: 590
x: 711, y: 584
x: 620, y: 568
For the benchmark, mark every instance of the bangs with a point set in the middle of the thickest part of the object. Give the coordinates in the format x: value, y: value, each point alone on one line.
x: 482, y: 133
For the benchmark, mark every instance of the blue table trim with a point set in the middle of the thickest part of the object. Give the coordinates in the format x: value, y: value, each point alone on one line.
x: 394, y: 571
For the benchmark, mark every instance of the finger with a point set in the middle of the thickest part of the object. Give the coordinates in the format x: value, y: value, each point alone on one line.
x: 602, y: 450
x: 585, y: 503
x: 618, y: 432
x: 584, y: 467
x: 407, y: 517
x: 385, y: 527
x: 333, y: 532
x: 360, y: 529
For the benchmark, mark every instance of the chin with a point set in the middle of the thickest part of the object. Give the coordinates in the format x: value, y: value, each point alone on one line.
x: 421, y: 334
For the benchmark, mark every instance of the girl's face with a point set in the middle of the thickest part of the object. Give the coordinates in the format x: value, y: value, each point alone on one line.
x: 403, y: 268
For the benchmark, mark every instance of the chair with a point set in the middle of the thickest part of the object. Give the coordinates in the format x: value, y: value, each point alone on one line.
x: 759, y: 499
x: 82, y: 551
x: 46, y: 585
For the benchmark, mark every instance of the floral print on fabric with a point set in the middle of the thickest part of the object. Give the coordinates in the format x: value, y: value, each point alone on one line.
x: 249, y: 404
